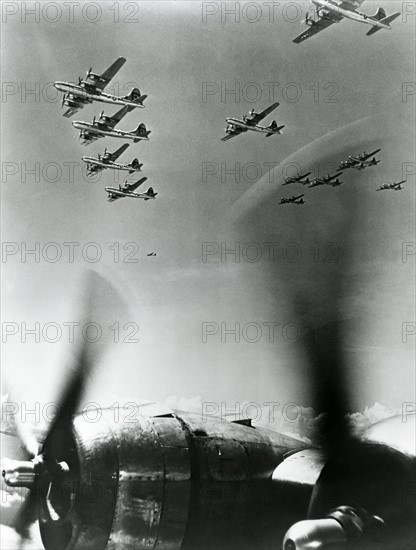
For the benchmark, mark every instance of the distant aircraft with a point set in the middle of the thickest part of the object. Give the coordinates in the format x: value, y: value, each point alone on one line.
x: 298, y: 179
x: 76, y: 96
x: 152, y: 254
x: 105, y: 126
x: 292, y: 200
x: 327, y: 180
x: 394, y: 186
x: 106, y: 160
x: 127, y: 190
x: 329, y: 12
x: 251, y: 122
x: 361, y: 161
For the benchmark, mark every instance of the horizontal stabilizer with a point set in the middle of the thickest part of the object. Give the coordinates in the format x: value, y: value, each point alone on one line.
x: 386, y: 21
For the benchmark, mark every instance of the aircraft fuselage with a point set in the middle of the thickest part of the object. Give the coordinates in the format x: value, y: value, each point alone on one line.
x: 354, y: 15
x: 121, y: 194
x: 88, y: 97
x: 109, y: 164
x: 103, y: 131
x: 256, y: 128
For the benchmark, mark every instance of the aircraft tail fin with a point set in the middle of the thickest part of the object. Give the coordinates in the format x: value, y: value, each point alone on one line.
x: 385, y: 20
x: 276, y: 129
x: 142, y: 131
x: 133, y: 95
x: 151, y: 193
x: 381, y: 14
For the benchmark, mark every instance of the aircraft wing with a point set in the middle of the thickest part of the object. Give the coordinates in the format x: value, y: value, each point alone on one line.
x: 107, y: 75
x: 234, y: 133
x: 351, y: 5
x: 367, y: 156
x: 113, y: 198
x: 72, y: 110
x: 315, y: 183
x: 89, y: 137
x: 257, y: 117
x: 110, y: 122
x: 114, y: 156
x: 297, y: 198
x: 318, y: 26
x: 334, y: 176
x: 135, y: 185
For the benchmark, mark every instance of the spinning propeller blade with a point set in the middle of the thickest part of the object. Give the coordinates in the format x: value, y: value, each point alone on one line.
x: 42, y: 450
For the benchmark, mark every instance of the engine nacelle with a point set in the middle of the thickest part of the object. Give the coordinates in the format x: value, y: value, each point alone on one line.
x: 164, y: 480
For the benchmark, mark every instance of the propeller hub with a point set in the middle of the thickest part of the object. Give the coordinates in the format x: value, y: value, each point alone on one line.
x: 19, y: 473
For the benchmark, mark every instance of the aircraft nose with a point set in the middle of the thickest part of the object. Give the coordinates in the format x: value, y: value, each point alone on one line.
x: 58, y: 85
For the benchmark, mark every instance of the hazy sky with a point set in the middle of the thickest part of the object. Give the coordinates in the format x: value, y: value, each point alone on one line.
x: 336, y: 78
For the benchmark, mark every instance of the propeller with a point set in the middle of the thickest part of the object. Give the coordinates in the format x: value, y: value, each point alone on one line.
x: 102, y: 114
x: 89, y: 72
x: 42, y: 466
x: 79, y: 81
x: 93, y: 119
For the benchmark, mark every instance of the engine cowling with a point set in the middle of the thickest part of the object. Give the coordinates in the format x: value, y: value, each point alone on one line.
x: 128, y: 487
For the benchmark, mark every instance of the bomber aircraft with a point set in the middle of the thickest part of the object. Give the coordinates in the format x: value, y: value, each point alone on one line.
x: 327, y: 180
x: 328, y: 12
x: 105, y: 126
x: 292, y: 200
x: 394, y: 186
x: 106, y: 160
x: 145, y: 476
x: 251, y: 122
x: 127, y: 190
x: 304, y: 180
x: 361, y: 161
x: 76, y: 96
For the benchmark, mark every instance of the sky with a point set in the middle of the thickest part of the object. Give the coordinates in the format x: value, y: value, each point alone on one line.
x: 340, y: 93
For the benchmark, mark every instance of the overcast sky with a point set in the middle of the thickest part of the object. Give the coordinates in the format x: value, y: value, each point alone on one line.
x: 174, y: 56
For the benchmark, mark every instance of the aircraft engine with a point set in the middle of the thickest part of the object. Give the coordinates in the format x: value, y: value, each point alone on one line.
x: 159, y: 480
x: 127, y: 484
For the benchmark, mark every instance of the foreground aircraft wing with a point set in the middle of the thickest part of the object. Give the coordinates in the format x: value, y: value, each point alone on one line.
x: 234, y: 133
x: 89, y: 137
x: 367, y: 156
x: 334, y: 176
x: 113, y: 198
x: 318, y: 26
x: 135, y: 185
x: 257, y: 117
x: 315, y: 183
x: 114, y: 156
x: 72, y: 110
x: 107, y: 75
x: 110, y: 122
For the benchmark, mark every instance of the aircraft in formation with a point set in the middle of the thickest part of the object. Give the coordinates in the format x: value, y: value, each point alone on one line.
x: 127, y: 190
x: 76, y: 96
x: 152, y: 254
x: 327, y: 180
x: 250, y: 122
x: 107, y: 160
x: 328, y: 12
x: 394, y: 186
x: 105, y: 126
x: 304, y: 180
x: 360, y: 162
x: 292, y: 200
